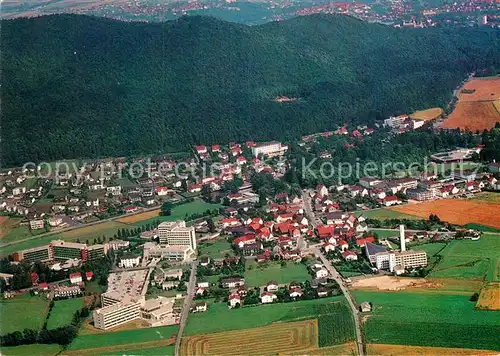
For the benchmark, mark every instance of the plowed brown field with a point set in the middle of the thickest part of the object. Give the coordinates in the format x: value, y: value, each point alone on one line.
x: 477, y: 107
x: 455, y: 211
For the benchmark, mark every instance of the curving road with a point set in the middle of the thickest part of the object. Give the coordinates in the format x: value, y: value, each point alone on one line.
x: 334, y: 274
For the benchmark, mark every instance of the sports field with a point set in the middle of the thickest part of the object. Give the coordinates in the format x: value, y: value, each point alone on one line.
x: 421, y: 319
x: 219, y: 318
x: 455, y: 211
x: 298, y: 337
x: 124, y: 340
x: 21, y: 312
x: 259, y: 275
x: 63, y: 311
x: 470, y: 259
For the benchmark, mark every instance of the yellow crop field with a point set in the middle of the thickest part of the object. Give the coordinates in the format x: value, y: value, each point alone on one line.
x: 296, y: 337
x: 489, y: 298
x: 426, y: 115
x: 139, y: 217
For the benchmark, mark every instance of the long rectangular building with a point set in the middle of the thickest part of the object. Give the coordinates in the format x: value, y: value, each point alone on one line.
x: 176, y: 233
x: 116, y: 314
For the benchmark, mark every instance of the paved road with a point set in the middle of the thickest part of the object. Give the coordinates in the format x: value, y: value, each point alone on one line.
x: 350, y: 299
x: 185, y: 308
x: 334, y: 274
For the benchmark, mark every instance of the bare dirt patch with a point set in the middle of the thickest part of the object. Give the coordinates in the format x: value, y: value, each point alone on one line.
x: 394, y: 283
x: 483, y: 89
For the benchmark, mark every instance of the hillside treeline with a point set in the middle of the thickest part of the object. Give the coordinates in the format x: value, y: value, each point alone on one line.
x: 78, y: 86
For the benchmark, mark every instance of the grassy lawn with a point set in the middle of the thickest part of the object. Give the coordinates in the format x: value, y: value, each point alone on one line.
x: 29, y: 350
x: 429, y: 320
x: 62, y: 313
x: 179, y: 212
x: 21, y: 312
x: 383, y: 234
x: 482, y: 228
x: 256, y: 275
x: 123, y: 337
x: 108, y: 229
x: 219, y: 318
x: 490, y: 197
x: 384, y: 214
x: 215, y: 249
x: 469, y: 259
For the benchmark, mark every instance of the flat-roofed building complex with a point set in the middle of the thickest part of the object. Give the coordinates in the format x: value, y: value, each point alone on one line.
x: 176, y: 233
x: 271, y: 149
x: 116, y: 314
x: 61, y: 250
x: 35, y: 254
x: 64, y: 250
x: 169, y: 253
x: 125, y: 301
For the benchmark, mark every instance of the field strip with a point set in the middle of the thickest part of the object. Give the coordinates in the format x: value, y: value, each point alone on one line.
x: 122, y: 347
x: 275, y: 338
x: 396, y: 350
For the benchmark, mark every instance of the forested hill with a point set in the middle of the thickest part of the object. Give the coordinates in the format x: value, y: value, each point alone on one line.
x: 78, y: 86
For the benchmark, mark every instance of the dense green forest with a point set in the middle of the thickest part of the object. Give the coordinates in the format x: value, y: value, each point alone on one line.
x: 78, y: 86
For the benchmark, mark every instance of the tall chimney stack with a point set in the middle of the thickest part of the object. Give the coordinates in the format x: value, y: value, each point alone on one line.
x: 402, y: 239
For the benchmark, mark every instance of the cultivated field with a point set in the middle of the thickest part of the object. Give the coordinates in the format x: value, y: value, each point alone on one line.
x: 219, y: 318
x: 260, y: 275
x: 63, y: 311
x: 470, y: 259
x: 426, y: 115
x: 473, y: 115
x: 477, y: 110
x: 129, y: 340
x: 397, y: 350
x: 489, y: 298
x: 298, y: 337
x: 21, y: 312
x: 455, y: 211
x: 139, y: 217
x: 484, y: 89
x: 428, y: 319
x: 156, y: 351
x: 29, y: 350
